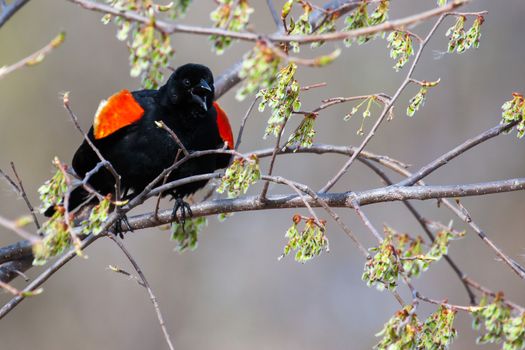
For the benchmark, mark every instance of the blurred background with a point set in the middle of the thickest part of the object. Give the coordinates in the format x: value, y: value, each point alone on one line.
x: 232, y: 293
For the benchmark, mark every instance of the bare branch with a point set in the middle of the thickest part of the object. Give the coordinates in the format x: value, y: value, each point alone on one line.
x: 37, y: 282
x: 465, y: 146
x: 24, y: 196
x: 9, y: 10
x: 243, y: 123
x: 152, y: 296
x: 275, y: 16
x: 13, y: 226
x: 174, y: 136
x: 35, y: 57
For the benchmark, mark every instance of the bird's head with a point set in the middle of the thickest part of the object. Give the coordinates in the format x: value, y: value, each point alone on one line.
x: 191, y: 87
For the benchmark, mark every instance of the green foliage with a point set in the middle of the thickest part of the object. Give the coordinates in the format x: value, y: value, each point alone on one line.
x: 441, y: 2
x: 223, y: 216
x: 514, y: 330
x: 360, y: 18
x: 97, y: 217
x: 57, y: 238
x: 493, y: 317
x: 304, y: 134
x: 357, y: 19
x: 459, y: 40
x: 400, y: 44
x: 404, y: 331
x: 187, y: 236
x: 301, y: 26
x: 242, y: 173
x: 440, y: 244
x: 514, y: 110
x: 179, y: 8
x: 150, y: 50
x: 233, y: 15
x: 307, y: 243
x: 410, y: 250
x: 437, y: 332
x: 383, y: 269
x: 366, y: 112
x: 283, y: 97
x: 499, y: 324
x: 400, y: 332
x: 259, y: 69
x: 419, y: 100
x: 324, y: 26
x: 52, y: 191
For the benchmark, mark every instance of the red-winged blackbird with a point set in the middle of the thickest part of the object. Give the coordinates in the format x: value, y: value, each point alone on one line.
x: 127, y: 136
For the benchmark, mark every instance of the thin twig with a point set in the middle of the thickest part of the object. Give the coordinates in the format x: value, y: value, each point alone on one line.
x: 313, y: 86
x: 35, y: 57
x: 266, y: 185
x: 13, y: 226
x: 465, y: 146
x: 468, y: 309
x: 326, y: 207
x: 243, y: 122
x: 9, y: 10
x: 174, y: 136
x: 487, y: 291
x: 366, y: 221
x: 24, y: 196
x: 275, y: 15
x: 127, y: 274
x: 152, y: 296
x: 38, y: 281
x: 10, y: 182
x: 107, y: 164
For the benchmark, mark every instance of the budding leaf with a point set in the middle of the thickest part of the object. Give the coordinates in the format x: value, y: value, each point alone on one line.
x: 307, y: 243
x: 187, y: 236
x: 241, y: 174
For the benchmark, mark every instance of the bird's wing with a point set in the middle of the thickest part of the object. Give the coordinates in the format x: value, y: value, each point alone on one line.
x: 225, y: 129
x: 118, y: 111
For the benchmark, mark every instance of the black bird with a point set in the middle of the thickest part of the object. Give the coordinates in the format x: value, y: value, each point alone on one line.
x: 125, y: 133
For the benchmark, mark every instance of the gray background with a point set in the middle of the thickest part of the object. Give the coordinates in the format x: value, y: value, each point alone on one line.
x: 232, y: 293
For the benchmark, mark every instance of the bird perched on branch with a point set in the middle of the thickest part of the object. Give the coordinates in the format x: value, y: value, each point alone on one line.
x: 126, y: 132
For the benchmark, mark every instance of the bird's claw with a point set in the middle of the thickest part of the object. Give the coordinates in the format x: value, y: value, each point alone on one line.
x: 121, y: 221
x: 185, y: 211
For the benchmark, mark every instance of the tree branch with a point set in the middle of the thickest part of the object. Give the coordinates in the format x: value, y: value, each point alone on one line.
x: 9, y: 10
x: 35, y: 57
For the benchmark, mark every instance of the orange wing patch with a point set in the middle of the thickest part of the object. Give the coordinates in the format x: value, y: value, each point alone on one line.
x: 225, y: 129
x: 118, y: 111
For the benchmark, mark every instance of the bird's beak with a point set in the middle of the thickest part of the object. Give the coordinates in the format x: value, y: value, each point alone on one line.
x: 200, y: 94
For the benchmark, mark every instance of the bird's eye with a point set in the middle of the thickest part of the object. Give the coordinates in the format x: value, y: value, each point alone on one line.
x: 186, y: 82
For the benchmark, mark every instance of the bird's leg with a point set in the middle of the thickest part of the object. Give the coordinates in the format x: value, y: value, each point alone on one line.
x: 122, y: 219
x: 183, y: 207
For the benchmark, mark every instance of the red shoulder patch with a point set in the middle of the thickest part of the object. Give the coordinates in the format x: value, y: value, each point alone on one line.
x: 225, y: 129
x: 118, y: 111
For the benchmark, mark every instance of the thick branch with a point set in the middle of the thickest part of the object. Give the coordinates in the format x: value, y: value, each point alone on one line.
x: 380, y: 195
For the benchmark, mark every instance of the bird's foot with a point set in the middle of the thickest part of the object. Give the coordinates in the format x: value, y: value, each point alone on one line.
x: 122, y: 225
x: 184, y: 209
